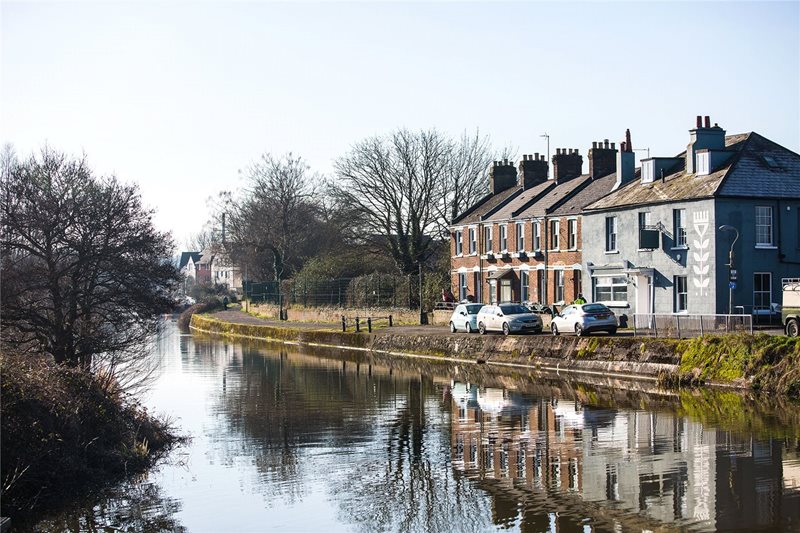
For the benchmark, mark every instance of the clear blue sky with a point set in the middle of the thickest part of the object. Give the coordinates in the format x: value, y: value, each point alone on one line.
x: 178, y: 96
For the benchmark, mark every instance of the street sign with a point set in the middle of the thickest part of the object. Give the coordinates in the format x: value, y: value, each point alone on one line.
x: 732, y: 285
x: 733, y: 276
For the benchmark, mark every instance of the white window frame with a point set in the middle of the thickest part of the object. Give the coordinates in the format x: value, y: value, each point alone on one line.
x: 681, y: 303
x: 459, y: 244
x: 555, y: 235
x: 764, y: 220
x: 524, y: 286
x: 572, y: 234
x: 520, y: 236
x: 541, y: 285
x: 537, y: 236
x: 679, y: 228
x: 559, y: 284
x: 473, y: 241
x: 488, y: 245
x: 702, y: 165
x: 611, y: 235
x: 768, y: 309
x: 616, y: 283
x: 462, y: 286
x: 503, y: 237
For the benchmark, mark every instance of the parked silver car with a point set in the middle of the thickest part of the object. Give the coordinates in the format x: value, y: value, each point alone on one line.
x: 583, y: 319
x: 508, y: 318
x: 465, y: 318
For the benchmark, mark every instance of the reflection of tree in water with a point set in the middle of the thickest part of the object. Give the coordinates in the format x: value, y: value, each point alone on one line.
x: 365, y: 433
x: 411, y: 487
x: 132, y: 506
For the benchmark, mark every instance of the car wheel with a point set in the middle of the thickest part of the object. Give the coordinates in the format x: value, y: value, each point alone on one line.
x: 482, y: 328
x: 468, y: 328
x: 554, y: 329
x: 612, y: 331
x: 506, y: 329
x: 452, y: 328
x: 792, y: 327
x: 579, y: 330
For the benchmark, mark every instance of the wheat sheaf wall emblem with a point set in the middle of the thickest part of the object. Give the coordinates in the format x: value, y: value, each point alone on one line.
x: 701, y: 253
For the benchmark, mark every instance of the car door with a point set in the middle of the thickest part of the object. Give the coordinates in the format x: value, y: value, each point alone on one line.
x: 458, y: 317
x: 565, y: 320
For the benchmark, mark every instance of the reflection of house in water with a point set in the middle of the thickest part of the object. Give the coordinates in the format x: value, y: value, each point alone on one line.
x: 650, y: 468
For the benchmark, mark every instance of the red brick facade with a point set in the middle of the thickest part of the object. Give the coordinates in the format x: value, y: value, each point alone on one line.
x: 554, y: 262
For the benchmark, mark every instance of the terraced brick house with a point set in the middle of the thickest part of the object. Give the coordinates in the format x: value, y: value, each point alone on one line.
x: 523, y: 241
x: 660, y: 241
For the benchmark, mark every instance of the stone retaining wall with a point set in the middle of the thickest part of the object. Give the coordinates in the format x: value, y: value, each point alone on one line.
x: 629, y: 357
x: 333, y: 315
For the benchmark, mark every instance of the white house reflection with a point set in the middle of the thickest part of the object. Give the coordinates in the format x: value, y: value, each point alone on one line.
x: 623, y: 468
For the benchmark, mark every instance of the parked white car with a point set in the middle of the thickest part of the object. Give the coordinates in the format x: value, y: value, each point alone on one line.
x: 583, y: 319
x: 465, y: 318
x: 508, y: 318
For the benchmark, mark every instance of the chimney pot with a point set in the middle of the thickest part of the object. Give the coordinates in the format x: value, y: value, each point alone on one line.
x: 612, y: 146
x: 699, y: 121
x: 605, y: 143
x: 524, y: 157
x: 536, y: 156
x: 708, y: 121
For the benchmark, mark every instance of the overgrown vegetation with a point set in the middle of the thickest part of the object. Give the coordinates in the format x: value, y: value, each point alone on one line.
x: 211, y: 304
x: 63, y: 431
x: 770, y: 363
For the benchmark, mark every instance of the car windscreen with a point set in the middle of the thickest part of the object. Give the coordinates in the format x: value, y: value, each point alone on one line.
x: 473, y: 309
x: 514, y: 309
x: 595, y: 308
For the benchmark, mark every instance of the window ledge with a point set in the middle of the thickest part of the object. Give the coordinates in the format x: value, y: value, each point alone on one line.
x: 645, y: 249
x: 612, y: 251
x: 766, y: 247
x: 679, y: 248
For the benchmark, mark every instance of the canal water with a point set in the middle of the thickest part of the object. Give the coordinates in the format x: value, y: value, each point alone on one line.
x: 335, y: 441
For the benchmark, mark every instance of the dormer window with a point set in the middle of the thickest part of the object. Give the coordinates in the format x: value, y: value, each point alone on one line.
x: 703, y: 163
x: 648, y: 170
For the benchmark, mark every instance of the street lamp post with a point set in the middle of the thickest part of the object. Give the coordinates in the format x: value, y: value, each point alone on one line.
x: 731, y: 270
x: 545, y: 135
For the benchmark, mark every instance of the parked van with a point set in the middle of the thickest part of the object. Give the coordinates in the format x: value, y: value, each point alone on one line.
x: 790, y: 310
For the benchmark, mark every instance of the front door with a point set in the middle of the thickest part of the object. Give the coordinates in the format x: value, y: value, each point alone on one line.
x: 492, y: 291
x: 644, y: 293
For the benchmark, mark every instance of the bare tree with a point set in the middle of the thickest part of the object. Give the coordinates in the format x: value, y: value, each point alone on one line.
x: 274, y: 227
x: 406, y: 187
x: 84, y: 271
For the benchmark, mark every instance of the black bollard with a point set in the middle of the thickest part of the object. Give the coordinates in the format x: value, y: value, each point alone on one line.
x: 390, y: 320
x: 369, y: 324
x: 358, y: 328
x: 344, y: 324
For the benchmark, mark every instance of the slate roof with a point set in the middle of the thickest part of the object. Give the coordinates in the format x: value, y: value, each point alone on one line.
x: 746, y: 173
x: 195, y: 256
x: 591, y: 192
x: 486, y: 205
x: 557, y: 194
x: 520, y: 201
x: 753, y: 175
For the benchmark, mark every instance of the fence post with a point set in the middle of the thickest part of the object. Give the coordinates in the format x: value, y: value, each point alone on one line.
x: 655, y: 326
x: 369, y: 324
x: 751, y: 324
x: 701, y: 325
x: 344, y: 324
x: 678, y: 324
x: 358, y: 325
x: 390, y: 321
x: 634, y: 323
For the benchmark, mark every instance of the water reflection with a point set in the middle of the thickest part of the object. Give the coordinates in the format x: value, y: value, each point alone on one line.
x: 618, y: 468
x: 302, y: 440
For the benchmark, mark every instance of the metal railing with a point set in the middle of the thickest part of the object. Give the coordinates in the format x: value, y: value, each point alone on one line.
x: 686, y: 325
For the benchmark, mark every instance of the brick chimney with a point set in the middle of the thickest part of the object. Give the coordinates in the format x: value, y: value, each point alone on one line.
x: 602, y: 159
x: 532, y: 170
x: 703, y: 137
x: 502, y: 176
x: 626, y: 162
x: 567, y: 164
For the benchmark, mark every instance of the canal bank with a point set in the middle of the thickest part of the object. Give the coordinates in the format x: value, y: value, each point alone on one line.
x: 759, y: 362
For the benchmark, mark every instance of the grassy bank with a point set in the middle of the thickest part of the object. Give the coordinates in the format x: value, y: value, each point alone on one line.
x: 62, y: 433
x: 762, y: 362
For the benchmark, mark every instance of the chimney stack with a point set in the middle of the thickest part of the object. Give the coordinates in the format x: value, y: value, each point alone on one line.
x: 502, y: 176
x: 703, y: 138
x: 532, y: 171
x: 626, y: 162
x: 567, y: 165
x: 602, y: 159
